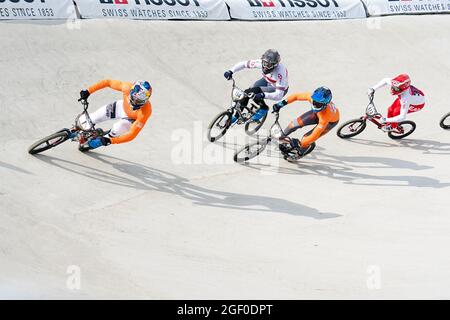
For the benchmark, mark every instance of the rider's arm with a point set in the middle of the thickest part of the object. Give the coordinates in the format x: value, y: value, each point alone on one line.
x: 134, y: 130
x: 250, y: 64
x: 113, y: 84
x: 281, y: 85
x: 275, y: 95
x: 382, y: 83
x: 302, y: 96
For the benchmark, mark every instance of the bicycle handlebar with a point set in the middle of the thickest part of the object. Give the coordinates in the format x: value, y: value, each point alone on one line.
x: 85, y: 103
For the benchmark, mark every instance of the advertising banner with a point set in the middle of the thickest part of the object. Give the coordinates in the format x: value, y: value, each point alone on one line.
x: 295, y: 9
x: 385, y: 7
x: 36, y: 9
x: 154, y: 9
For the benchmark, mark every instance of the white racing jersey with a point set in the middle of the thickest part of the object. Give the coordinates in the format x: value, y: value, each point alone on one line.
x: 277, y: 79
x: 409, y: 100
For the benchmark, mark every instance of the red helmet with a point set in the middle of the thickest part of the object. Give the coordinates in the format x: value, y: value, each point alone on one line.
x: 400, y: 84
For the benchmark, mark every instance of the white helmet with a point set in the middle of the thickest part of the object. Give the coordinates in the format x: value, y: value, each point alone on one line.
x: 139, y: 94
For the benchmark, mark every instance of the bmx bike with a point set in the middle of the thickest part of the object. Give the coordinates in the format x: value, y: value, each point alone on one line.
x: 289, y: 153
x: 222, y: 122
x: 354, y: 127
x: 80, y: 133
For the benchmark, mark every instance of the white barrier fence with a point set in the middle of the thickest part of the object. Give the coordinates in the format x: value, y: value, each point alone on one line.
x: 36, y: 9
x: 295, y: 9
x: 386, y: 7
x: 154, y: 9
x: 216, y: 9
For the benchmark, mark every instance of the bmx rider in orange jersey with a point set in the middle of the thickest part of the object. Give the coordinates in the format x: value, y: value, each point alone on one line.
x: 323, y: 114
x: 132, y: 111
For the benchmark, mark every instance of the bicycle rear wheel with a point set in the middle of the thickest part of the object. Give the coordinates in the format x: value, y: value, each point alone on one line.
x: 351, y: 128
x: 251, y: 150
x: 404, y: 129
x: 49, y: 142
x: 219, y: 126
x: 445, y: 121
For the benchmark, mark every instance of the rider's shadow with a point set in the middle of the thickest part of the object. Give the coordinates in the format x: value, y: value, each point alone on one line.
x: 427, y: 146
x: 343, y: 169
x: 374, y: 162
x: 371, y: 143
x: 135, y: 175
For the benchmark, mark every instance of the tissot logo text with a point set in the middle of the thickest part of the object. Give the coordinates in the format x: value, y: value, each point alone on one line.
x: 21, y: 1
x: 292, y: 3
x: 151, y: 2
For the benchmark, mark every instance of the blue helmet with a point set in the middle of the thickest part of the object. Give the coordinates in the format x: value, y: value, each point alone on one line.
x: 321, y: 97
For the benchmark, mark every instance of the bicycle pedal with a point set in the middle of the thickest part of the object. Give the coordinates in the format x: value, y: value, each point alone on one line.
x: 284, y: 148
x: 292, y: 157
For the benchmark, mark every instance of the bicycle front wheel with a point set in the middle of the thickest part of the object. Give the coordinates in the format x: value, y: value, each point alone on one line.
x: 219, y: 126
x: 351, y: 128
x: 445, y: 121
x: 251, y: 150
x: 49, y: 142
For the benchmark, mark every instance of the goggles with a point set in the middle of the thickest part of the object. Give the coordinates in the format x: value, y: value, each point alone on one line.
x: 144, y: 84
x: 396, y: 89
x: 268, y: 65
x: 318, y: 105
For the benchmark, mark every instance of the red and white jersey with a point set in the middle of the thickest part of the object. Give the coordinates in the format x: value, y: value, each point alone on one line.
x: 409, y: 100
x: 277, y: 79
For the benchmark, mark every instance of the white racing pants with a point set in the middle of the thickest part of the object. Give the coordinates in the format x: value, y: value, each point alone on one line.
x: 110, y: 111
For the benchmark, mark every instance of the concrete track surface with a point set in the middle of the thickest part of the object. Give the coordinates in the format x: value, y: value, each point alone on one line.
x: 170, y: 216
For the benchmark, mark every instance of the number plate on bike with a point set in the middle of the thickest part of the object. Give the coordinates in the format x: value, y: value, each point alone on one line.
x: 276, y: 131
x: 371, y: 110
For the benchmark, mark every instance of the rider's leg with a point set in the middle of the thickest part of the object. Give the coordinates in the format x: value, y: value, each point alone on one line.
x: 243, y: 103
x: 263, y: 107
x: 394, y: 110
x: 255, y: 89
x: 306, y: 142
x: 416, y: 108
x: 306, y: 119
x: 329, y: 126
x: 110, y: 111
x: 120, y: 127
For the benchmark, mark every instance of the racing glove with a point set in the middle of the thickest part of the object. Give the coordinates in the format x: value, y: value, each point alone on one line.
x: 370, y: 93
x: 277, y: 106
x: 84, y: 94
x: 228, y: 74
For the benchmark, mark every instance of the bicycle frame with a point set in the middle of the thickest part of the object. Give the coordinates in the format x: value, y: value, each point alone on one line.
x: 80, y: 134
x: 86, y: 114
x: 372, y: 114
x: 235, y: 101
x: 276, y: 131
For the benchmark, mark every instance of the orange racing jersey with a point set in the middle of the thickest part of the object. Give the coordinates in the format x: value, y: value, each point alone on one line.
x: 328, y: 115
x: 140, y: 116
